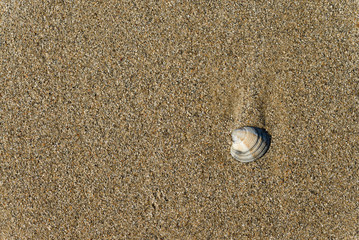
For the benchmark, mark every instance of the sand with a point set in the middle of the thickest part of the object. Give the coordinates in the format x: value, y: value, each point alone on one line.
x: 115, y: 119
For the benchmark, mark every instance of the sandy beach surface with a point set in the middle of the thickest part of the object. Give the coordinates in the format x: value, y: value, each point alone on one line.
x: 115, y: 119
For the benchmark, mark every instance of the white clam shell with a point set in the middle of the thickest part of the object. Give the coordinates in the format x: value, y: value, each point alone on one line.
x: 249, y: 143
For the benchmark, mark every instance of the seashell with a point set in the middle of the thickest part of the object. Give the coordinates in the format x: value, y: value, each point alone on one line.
x: 249, y: 143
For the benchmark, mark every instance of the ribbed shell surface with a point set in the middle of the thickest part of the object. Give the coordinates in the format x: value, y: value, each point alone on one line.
x: 249, y: 143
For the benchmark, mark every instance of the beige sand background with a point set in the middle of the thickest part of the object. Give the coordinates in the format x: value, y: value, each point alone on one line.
x: 115, y: 119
